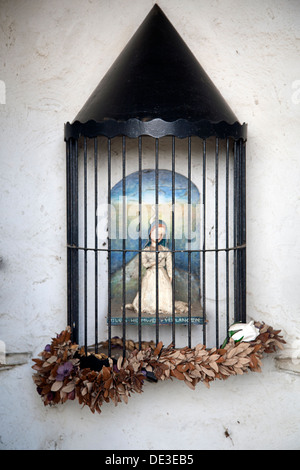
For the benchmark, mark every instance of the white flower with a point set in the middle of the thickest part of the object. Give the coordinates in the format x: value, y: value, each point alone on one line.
x: 243, y: 331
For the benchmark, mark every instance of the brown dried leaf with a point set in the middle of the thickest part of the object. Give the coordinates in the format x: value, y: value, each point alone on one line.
x: 177, y: 374
x: 214, y: 357
x: 263, y: 337
x: 106, y: 372
x: 244, y: 361
x: 202, y: 358
x: 230, y: 362
x: 68, y: 388
x: 46, y: 364
x: 206, y: 383
x: 46, y: 389
x: 56, y: 386
x: 121, y: 388
x: 38, y: 361
x: 232, y: 352
x: 224, y: 371
x: 187, y: 377
x: 244, y: 346
x: 221, y: 359
x: 222, y: 351
x: 195, y: 374
x: 253, y: 361
x: 182, y: 367
x: 185, y: 357
x: 208, y: 372
x: 238, y: 371
x: 124, y: 398
x: 264, y: 328
x: 63, y: 396
x: 214, y: 366
x: 164, y: 367
x: 119, y: 362
x: 175, y: 354
x: 158, y: 348
x: 190, y: 384
x: 107, y: 383
x: 278, y: 344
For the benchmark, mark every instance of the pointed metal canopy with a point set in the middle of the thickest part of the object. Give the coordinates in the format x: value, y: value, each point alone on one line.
x: 156, y: 87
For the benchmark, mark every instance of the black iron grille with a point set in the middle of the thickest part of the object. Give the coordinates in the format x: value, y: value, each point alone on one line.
x: 105, y: 267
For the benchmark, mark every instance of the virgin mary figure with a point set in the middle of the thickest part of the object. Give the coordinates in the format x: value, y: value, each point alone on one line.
x: 157, y: 242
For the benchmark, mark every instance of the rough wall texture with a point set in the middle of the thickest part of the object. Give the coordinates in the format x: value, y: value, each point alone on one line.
x: 53, y: 54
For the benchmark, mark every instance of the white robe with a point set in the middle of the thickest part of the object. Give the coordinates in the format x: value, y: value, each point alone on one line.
x: 148, y: 284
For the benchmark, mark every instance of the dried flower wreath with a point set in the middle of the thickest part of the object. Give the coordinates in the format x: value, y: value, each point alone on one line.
x: 65, y: 372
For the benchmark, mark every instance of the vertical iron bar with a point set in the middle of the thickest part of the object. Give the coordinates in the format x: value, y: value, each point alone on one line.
x: 238, y: 229
x: 235, y: 230
x: 173, y: 241
x: 96, y: 239
x: 189, y: 240
x: 241, y: 231
x: 72, y: 237
x: 124, y: 244
x: 140, y: 244
x: 69, y: 187
x: 204, y: 241
x: 109, y: 242
x: 227, y: 233
x: 157, y: 247
x: 217, y: 238
x: 243, y: 241
x: 85, y: 244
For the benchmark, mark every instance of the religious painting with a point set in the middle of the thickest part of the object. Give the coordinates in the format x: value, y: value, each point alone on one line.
x: 155, y: 242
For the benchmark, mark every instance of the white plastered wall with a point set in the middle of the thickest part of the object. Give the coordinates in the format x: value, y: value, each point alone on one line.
x: 53, y: 54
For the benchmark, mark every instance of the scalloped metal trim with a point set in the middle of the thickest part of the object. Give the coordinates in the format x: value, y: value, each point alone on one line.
x: 156, y: 128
